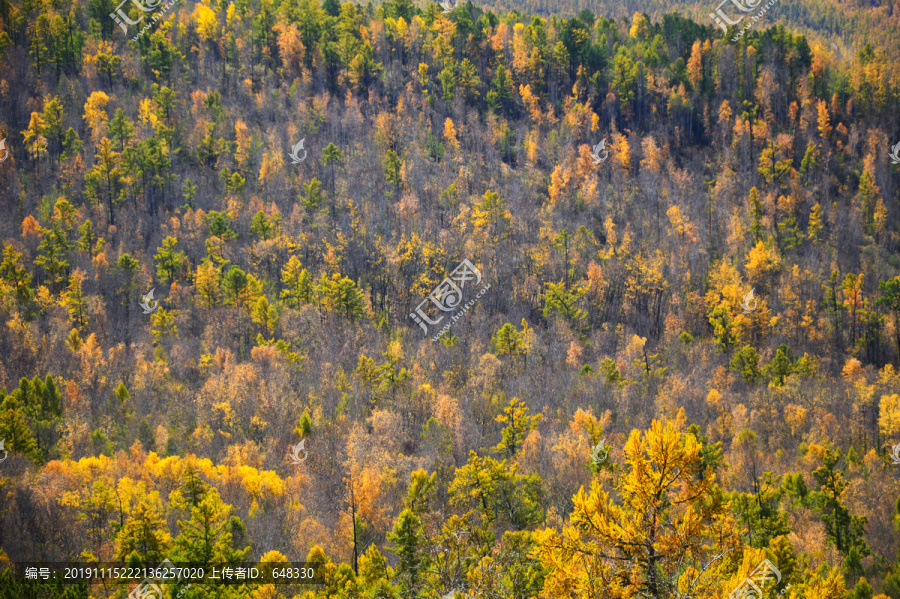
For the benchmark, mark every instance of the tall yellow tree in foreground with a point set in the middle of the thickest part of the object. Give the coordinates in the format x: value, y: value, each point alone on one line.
x: 663, y: 532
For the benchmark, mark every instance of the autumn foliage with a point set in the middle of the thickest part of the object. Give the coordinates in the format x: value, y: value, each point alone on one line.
x: 692, y: 253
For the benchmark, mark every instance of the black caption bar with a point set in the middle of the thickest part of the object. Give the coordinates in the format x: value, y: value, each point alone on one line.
x: 181, y: 573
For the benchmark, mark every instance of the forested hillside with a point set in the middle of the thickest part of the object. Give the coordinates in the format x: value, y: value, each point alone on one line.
x: 680, y: 344
x: 845, y: 27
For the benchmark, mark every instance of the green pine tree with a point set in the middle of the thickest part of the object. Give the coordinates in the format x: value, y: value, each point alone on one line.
x: 518, y: 423
x: 169, y: 262
x: 206, y: 537
x: 407, y: 540
x: 144, y: 540
x: 14, y: 430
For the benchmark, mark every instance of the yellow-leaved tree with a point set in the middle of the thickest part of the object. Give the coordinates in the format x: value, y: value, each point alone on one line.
x: 889, y: 415
x: 205, y: 18
x: 95, y: 114
x: 640, y: 26
x: 664, y: 532
x: 450, y: 135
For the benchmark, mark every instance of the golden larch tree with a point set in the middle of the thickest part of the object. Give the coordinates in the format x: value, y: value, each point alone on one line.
x: 664, y: 531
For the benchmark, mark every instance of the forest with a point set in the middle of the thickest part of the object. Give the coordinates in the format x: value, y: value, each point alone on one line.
x: 453, y: 301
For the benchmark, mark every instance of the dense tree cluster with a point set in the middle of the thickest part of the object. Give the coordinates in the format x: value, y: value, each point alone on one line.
x: 715, y: 304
